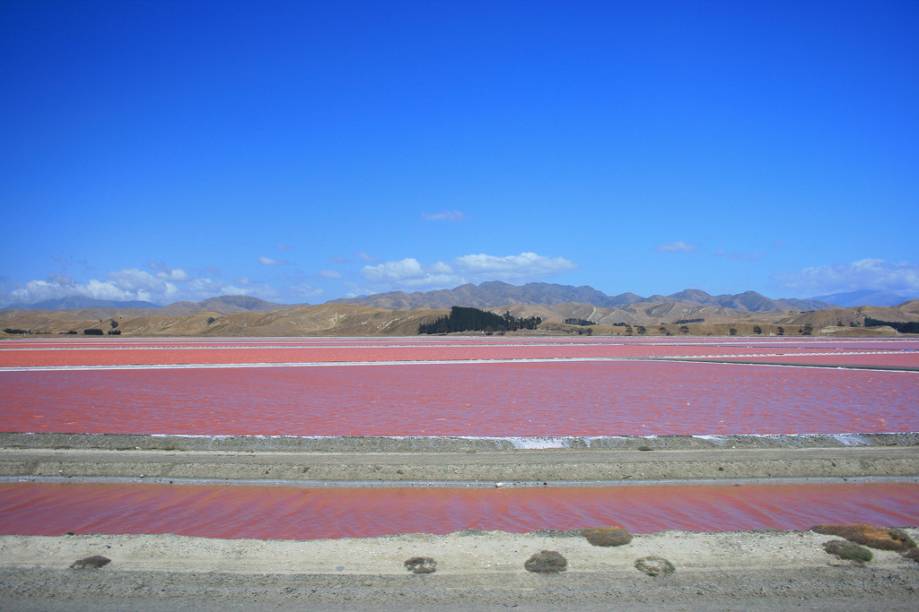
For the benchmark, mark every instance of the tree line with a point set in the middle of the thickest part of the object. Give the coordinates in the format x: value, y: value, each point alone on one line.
x: 472, y: 319
x: 904, y: 327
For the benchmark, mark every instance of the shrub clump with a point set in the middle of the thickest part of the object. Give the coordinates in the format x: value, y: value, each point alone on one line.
x: 849, y: 551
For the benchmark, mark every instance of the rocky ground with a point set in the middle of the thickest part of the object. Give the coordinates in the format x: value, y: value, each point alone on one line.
x: 753, y: 571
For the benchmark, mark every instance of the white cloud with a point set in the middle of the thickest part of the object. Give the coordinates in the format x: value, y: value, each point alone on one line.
x: 512, y: 267
x: 875, y: 274
x: 175, y: 274
x: 394, y: 270
x: 451, y: 216
x: 128, y: 284
x: 411, y: 273
x: 676, y: 247
x: 268, y: 261
x: 166, y: 285
x: 330, y: 274
x: 203, y: 285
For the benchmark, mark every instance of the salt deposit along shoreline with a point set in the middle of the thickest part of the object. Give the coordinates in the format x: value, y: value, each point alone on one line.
x: 470, y: 468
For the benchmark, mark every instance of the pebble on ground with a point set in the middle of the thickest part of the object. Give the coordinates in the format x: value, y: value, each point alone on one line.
x: 654, y: 566
x: 421, y: 565
x: 94, y: 562
x: 546, y: 562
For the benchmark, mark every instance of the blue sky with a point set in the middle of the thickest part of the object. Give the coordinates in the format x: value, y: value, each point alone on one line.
x: 307, y: 151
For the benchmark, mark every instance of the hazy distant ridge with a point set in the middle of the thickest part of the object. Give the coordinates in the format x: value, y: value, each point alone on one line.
x: 223, y: 304
x: 495, y: 294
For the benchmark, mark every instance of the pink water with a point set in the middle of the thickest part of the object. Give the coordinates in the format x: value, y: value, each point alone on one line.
x: 906, y: 360
x: 509, y: 399
x: 277, y: 354
x: 266, y: 512
x: 117, y: 351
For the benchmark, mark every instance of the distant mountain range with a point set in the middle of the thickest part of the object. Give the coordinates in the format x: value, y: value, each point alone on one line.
x: 77, y: 302
x: 866, y: 297
x: 223, y: 304
x: 691, y: 311
x: 496, y: 294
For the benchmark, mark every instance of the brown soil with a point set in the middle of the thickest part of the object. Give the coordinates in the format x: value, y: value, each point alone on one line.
x: 882, y: 538
x: 607, y: 536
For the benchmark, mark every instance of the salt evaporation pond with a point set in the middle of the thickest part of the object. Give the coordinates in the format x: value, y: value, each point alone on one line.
x: 276, y: 512
x: 625, y: 398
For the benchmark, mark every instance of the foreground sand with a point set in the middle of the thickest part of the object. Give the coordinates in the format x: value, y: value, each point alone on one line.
x: 757, y: 570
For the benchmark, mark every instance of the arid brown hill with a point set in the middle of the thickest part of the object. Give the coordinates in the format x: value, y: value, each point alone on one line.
x: 323, y: 320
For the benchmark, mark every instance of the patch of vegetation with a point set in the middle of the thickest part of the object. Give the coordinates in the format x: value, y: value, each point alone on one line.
x: 472, y: 319
x: 911, y: 327
x: 850, y: 551
x: 15, y: 330
x: 685, y: 321
x: 579, y: 322
x: 93, y: 331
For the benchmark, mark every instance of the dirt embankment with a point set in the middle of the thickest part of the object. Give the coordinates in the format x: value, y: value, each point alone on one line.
x: 520, y: 466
